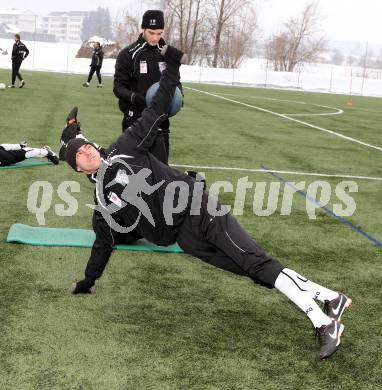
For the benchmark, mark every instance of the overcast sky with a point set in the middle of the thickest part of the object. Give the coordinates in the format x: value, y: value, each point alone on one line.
x: 348, y: 20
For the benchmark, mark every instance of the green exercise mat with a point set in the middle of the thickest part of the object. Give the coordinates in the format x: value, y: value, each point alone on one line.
x: 28, y: 163
x: 41, y: 236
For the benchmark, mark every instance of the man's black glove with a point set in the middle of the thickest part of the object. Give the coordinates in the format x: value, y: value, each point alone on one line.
x: 138, y: 100
x: 164, y: 126
x: 85, y: 286
x: 174, y: 55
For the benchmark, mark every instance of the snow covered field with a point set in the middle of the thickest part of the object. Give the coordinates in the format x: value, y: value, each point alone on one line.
x: 60, y: 57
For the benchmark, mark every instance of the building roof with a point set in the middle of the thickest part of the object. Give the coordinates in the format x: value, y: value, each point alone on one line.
x: 78, y: 13
x: 70, y: 13
x: 13, y: 11
x: 9, y: 28
x: 102, y: 41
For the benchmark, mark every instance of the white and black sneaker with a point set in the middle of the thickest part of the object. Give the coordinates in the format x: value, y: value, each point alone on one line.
x: 336, y: 307
x: 11, y: 86
x: 22, y: 83
x: 329, y: 338
x: 86, y: 84
x: 51, y: 156
x: 23, y: 144
x: 99, y: 86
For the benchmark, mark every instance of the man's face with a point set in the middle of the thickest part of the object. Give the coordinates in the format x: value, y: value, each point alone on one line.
x: 88, y: 159
x: 152, y: 37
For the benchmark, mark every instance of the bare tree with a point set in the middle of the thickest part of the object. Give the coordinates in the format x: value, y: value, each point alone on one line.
x: 378, y: 61
x: 224, y: 11
x: 277, y: 52
x: 201, y: 28
x: 184, y: 19
x: 366, y: 60
x: 350, y: 60
x: 337, y: 57
x: 297, y: 44
x: 128, y: 30
x: 238, y: 39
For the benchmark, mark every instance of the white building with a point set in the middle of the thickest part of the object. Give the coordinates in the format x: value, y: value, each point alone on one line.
x: 66, y: 26
x: 23, y: 19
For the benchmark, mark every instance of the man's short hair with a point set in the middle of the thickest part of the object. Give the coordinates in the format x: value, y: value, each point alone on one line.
x: 17, y: 36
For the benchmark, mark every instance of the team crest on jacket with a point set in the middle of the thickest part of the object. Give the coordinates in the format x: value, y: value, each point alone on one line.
x: 122, y: 177
x: 162, y: 66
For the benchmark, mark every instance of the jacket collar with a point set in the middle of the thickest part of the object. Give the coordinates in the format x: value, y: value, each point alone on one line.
x: 142, y: 40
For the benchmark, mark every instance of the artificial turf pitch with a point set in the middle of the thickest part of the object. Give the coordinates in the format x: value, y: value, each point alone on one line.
x: 168, y: 321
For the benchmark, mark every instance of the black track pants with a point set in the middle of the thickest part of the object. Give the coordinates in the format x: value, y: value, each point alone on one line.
x: 97, y: 70
x: 222, y: 242
x: 11, y: 157
x: 15, y: 71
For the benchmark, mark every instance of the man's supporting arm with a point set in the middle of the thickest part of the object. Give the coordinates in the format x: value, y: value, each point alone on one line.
x: 100, y: 254
x: 102, y: 249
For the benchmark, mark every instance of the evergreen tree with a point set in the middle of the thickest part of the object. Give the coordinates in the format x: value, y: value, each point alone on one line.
x: 97, y: 23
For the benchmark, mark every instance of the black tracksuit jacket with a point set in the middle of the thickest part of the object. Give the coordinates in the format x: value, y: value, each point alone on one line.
x: 138, y: 66
x: 97, y: 58
x: 132, y: 148
x: 19, y: 52
x: 218, y: 240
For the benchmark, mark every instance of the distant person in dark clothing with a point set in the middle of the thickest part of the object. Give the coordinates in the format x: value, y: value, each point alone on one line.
x: 19, y: 53
x: 95, y: 65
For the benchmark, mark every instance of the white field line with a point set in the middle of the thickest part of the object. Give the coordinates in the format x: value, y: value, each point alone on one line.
x: 260, y: 97
x: 291, y: 119
x: 337, y: 112
x: 261, y: 170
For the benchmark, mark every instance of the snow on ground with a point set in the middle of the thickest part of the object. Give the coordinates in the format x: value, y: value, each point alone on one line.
x: 60, y: 57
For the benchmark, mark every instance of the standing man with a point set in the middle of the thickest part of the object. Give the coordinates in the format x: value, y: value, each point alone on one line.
x: 138, y: 66
x: 19, y: 53
x: 95, y: 65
